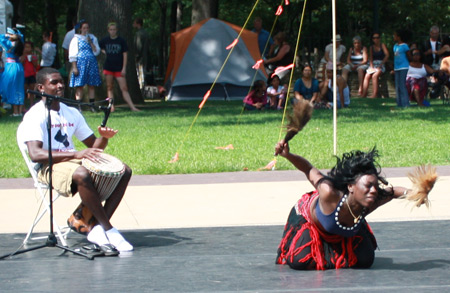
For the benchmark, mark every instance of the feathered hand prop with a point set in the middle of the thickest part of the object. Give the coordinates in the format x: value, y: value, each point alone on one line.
x: 423, y: 179
x: 301, y: 113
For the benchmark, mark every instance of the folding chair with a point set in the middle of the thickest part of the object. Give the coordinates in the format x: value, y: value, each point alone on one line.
x: 42, y: 189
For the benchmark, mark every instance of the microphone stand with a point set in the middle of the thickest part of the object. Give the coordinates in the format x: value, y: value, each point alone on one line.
x: 107, y: 111
x: 52, y: 241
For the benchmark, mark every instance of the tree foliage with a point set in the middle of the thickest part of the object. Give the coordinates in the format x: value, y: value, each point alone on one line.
x: 354, y: 17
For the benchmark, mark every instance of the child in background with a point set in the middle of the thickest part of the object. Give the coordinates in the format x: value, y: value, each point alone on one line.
x: 257, y: 98
x: 30, y: 63
x: 276, y: 93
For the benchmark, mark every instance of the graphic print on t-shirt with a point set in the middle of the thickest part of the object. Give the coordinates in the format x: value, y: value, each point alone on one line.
x: 113, y: 48
x: 59, y: 137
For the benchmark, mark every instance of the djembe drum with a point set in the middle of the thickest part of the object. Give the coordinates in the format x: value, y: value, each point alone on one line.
x: 106, y: 174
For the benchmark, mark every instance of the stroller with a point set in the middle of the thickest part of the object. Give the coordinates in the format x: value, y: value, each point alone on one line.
x: 439, y: 87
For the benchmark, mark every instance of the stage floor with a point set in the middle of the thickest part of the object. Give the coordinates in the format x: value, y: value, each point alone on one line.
x: 413, y: 256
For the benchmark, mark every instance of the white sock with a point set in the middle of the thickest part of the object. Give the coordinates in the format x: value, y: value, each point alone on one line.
x: 98, y: 236
x: 116, y: 239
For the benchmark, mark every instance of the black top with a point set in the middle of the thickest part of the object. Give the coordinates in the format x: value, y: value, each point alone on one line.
x: 114, y: 49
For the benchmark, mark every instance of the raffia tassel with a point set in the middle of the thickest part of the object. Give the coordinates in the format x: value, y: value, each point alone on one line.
x: 423, y: 179
x: 301, y: 114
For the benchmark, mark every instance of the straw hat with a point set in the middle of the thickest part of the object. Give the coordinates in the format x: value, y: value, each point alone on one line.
x: 338, y: 38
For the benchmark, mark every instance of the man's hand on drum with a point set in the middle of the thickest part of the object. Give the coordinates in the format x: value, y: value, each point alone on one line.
x: 89, y: 153
x: 106, y: 132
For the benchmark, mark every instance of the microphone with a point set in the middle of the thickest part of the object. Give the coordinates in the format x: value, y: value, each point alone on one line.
x: 42, y: 94
x: 52, y: 97
x: 107, y: 111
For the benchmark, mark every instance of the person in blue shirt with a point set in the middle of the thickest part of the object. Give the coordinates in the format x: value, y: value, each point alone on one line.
x: 401, y: 65
x: 306, y: 87
x: 264, y: 39
x: 13, y: 77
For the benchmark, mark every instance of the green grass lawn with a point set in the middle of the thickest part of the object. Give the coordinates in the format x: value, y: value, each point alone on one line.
x: 149, y: 139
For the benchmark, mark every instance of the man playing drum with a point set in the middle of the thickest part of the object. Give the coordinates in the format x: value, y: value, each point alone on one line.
x: 69, y: 176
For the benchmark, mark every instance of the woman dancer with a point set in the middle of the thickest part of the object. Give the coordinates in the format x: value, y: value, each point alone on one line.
x: 82, y: 52
x: 115, y: 66
x: 326, y: 228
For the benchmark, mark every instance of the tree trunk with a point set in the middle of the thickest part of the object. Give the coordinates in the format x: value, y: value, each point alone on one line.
x: 18, y: 16
x: 163, y: 37
x: 203, y: 9
x: 176, y: 12
x: 51, y: 25
x: 98, y: 14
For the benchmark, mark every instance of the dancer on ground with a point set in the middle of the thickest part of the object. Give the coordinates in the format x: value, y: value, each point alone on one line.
x: 115, y: 65
x: 69, y: 177
x: 327, y: 228
x: 13, y: 77
x: 82, y: 52
x: 378, y: 56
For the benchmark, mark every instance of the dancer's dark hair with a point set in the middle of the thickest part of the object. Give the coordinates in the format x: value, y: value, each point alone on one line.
x: 352, y: 166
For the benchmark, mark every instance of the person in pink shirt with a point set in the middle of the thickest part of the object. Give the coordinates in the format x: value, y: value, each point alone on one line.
x: 257, y: 98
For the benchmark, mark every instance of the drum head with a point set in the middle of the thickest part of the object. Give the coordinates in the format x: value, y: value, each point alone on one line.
x: 107, y: 165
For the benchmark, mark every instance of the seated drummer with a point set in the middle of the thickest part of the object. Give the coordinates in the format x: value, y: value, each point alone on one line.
x: 69, y: 177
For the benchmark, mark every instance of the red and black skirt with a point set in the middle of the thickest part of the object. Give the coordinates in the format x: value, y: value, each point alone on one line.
x: 305, y: 247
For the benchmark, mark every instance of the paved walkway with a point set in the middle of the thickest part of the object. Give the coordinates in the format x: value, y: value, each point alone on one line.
x: 210, y: 200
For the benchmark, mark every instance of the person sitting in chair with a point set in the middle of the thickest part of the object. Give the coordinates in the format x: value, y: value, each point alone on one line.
x: 69, y: 176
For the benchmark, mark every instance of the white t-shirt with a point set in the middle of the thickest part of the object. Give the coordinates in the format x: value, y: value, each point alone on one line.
x: 48, y: 54
x: 433, y: 47
x: 339, y: 52
x: 280, y: 92
x: 66, y: 123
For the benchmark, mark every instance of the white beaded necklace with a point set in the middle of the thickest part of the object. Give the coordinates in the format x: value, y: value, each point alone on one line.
x: 336, y: 216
